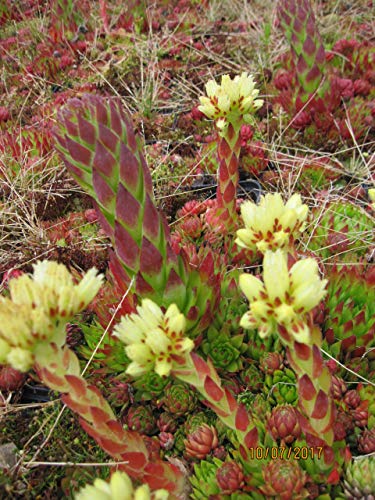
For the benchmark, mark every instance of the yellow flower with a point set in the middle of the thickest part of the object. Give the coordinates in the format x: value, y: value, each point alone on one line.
x: 231, y: 101
x: 271, y: 224
x: 38, y: 310
x: 119, y: 487
x: 51, y: 288
x: 153, y: 339
x: 285, y: 296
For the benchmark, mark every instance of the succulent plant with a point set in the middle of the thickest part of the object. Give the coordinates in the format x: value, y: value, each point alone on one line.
x: 367, y: 393
x: 224, y: 349
x: 360, y: 415
x: 252, y: 378
x: 284, y: 479
x: 149, y: 385
x: 349, y: 326
x: 359, y: 481
x: 344, y: 422
x: 230, y: 104
x: 179, y: 399
x: 196, y: 420
x: 352, y: 399
x: 363, y: 365
x: 338, y: 387
x: 366, y: 441
x: 109, y: 354
x: 230, y: 477
x: 270, y: 362
x: 141, y: 419
x: 283, y: 424
x: 179, y: 441
x: 120, y: 393
x: 298, y: 21
x: 281, y: 387
x: 201, y: 442
x: 98, y: 145
x: 204, y: 479
x: 258, y: 347
x: 259, y: 407
x: 167, y: 422
x: 342, y: 230
x: 11, y: 379
x: 166, y: 440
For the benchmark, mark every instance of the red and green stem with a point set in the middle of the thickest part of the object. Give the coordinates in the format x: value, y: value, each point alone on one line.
x: 203, y: 376
x: 229, y: 148
x: 59, y: 370
x: 314, y: 385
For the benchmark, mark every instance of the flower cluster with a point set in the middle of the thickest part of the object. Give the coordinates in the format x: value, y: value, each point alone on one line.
x: 271, y: 224
x: 120, y: 487
x: 285, y: 296
x: 232, y: 100
x: 39, y: 309
x: 154, y: 340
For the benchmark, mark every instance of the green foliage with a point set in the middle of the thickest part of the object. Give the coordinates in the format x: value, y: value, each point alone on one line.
x: 281, y: 387
x: 349, y: 325
x: 149, y: 386
x: 224, y: 350
x: 342, y: 230
x: 204, y: 479
x: 111, y: 353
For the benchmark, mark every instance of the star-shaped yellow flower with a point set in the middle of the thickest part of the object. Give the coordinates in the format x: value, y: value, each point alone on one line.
x: 232, y: 101
x: 38, y: 310
x: 119, y: 487
x: 154, y: 339
x: 285, y: 296
x: 271, y: 224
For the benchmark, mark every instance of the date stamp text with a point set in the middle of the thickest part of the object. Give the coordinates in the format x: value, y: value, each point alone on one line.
x: 292, y: 453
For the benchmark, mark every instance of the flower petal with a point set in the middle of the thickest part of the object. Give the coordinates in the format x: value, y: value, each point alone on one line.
x: 275, y: 273
x: 251, y: 286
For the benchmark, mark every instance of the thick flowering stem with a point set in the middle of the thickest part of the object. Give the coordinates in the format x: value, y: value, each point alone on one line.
x: 156, y: 342
x: 283, y: 304
x: 32, y: 334
x: 314, y: 384
x: 230, y: 104
x: 298, y: 21
x: 60, y: 371
x: 97, y: 143
x: 228, y: 176
x: 202, y: 375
